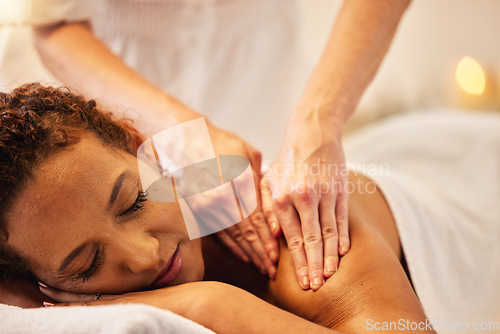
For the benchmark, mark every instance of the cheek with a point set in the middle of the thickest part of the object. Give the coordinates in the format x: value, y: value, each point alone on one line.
x: 165, y: 217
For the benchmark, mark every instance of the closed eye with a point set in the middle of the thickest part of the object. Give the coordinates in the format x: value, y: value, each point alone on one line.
x: 96, y: 262
x: 142, y: 197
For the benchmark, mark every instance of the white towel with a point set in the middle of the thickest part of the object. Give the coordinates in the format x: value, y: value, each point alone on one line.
x: 110, y: 319
x: 443, y: 186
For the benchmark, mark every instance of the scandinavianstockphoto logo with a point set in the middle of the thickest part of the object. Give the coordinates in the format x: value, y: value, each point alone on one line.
x: 439, y: 325
x: 326, y: 177
x: 213, y: 194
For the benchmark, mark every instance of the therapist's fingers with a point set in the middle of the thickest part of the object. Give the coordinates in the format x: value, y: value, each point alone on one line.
x: 307, y: 203
x: 330, y: 234
x: 266, y: 246
x: 341, y: 211
x: 237, y: 234
x: 233, y: 245
x: 268, y: 207
x: 270, y: 244
x: 293, y: 234
x: 253, y: 238
x: 264, y: 243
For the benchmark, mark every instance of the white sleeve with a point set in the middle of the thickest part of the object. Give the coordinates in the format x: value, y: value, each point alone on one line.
x: 40, y: 12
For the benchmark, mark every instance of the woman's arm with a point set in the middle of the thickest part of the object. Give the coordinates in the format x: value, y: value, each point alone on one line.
x: 358, y: 42
x: 220, y: 307
x: 21, y: 293
x: 82, y: 62
x: 228, y: 309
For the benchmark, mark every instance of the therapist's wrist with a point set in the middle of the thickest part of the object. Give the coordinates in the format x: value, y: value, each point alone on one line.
x: 329, y: 116
x: 330, y: 96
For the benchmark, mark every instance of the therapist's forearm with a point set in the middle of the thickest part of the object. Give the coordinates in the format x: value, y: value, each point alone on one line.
x: 84, y: 64
x: 357, y: 44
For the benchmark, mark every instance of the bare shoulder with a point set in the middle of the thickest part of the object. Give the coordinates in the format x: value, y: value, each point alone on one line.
x: 370, y: 285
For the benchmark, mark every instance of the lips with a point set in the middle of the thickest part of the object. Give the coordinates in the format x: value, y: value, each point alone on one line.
x: 170, y: 272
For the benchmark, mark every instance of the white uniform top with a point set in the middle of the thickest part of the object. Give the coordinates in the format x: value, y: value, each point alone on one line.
x: 236, y: 61
x: 440, y: 173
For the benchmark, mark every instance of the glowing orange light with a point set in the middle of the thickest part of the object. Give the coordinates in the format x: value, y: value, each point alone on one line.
x: 470, y: 76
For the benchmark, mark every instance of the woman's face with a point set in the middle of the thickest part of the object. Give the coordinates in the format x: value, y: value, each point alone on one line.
x: 83, y: 225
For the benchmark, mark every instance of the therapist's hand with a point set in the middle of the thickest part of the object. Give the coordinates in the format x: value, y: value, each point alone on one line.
x: 251, y: 239
x: 303, y: 194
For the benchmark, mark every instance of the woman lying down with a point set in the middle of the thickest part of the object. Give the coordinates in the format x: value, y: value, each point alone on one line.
x: 425, y: 229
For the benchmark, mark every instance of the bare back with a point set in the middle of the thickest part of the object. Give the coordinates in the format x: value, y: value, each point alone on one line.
x: 370, y: 286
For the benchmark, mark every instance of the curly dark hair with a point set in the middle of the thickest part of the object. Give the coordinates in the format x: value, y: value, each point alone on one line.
x: 35, y: 122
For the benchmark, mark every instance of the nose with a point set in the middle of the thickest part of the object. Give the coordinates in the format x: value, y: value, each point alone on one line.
x: 140, y: 252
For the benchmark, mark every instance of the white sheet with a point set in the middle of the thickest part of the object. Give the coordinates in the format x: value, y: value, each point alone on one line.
x: 112, y: 319
x: 443, y: 186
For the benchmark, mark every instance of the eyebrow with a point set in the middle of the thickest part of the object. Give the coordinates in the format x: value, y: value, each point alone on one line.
x: 116, y: 188
x: 72, y: 256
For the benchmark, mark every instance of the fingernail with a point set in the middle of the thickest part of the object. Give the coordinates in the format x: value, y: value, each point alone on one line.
x: 274, y: 227
x: 246, y: 259
x: 331, y: 265
x: 274, y: 256
x: 317, y: 282
x: 305, y: 282
x: 48, y: 304
x: 43, y: 285
x: 343, y: 249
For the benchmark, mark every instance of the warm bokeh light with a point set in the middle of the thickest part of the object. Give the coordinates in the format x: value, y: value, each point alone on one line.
x: 470, y: 76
